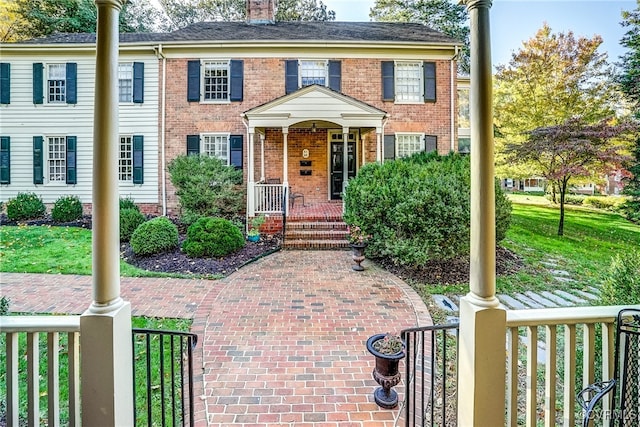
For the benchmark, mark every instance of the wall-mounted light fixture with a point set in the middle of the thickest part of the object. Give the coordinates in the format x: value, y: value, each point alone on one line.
x: 313, y: 127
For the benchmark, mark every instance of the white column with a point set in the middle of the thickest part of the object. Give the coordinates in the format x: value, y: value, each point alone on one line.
x: 482, y: 321
x: 345, y: 158
x: 379, y: 145
x: 105, y: 328
x: 262, y: 177
x: 285, y: 156
x: 251, y: 193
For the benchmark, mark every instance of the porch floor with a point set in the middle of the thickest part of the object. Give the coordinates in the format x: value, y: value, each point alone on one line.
x: 331, y: 211
x: 280, y: 342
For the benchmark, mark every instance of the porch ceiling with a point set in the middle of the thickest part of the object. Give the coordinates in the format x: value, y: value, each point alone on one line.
x: 315, y: 103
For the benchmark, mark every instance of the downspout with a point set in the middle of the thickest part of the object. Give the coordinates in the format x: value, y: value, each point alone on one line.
x: 245, y: 122
x: 453, y: 99
x: 163, y: 160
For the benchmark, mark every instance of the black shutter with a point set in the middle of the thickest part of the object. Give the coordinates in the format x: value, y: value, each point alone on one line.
x: 193, y: 144
x: 5, y: 160
x: 138, y: 82
x: 5, y: 83
x: 72, y: 146
x: 72, y: 83
x: 38, y: 84
x: 138, y: 159
x: 335, y: 75
x: 389, y: 147
x: 237, y: 80
x: 290, y: 75
x: 430, y: 143
x: 429, y: 69
x: 388, y: 90
x: 235, y: 151
x: 38, y: 177
x: 193, y: 81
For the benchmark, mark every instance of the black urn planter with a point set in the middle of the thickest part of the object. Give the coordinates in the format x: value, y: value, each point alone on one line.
x: 358, y: 255
x: 386, y: 374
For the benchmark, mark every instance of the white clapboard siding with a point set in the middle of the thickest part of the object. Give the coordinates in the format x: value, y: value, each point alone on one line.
x: 21, y: 120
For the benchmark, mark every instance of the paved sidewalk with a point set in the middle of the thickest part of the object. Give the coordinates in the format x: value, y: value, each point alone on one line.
x: 281, y: 341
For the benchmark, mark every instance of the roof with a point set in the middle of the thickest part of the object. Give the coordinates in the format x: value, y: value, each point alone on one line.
x: 387, y: 32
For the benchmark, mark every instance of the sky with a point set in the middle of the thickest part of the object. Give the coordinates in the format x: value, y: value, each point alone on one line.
x: 515, y: 21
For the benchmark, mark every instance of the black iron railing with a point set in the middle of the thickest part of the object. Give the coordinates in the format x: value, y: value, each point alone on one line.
x: 163, y: 377
x: 431, y: 375
x: 285, y: 207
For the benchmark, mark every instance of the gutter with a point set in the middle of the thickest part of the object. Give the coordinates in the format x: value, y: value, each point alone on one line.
x: 163, y: 159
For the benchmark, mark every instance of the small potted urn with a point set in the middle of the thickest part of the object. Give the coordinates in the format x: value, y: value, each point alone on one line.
x: 358, y: 241
x: 388, y: 350
x: 253, y: 235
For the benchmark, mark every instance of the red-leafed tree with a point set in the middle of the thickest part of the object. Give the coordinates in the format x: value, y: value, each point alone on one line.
x: 574, y: 149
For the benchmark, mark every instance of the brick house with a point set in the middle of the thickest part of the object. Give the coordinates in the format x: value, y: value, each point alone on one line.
x: 299, y: 106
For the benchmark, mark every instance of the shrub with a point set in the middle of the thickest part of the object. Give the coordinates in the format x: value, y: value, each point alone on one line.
x: 128, y: 203
x: 206, y: 187
x: 212, y: 237
x: 417, y: 209
x: 621, y: 285
x: 67, y: 209
x: 4, y: 306
x: 155, y: 236
x: 603, y: 202
x: 25, y: 206
x: 130, y: 219
x: 573, y: 199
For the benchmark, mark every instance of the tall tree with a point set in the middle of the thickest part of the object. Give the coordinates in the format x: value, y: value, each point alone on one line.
x: 629, y: 79
x: 39, y: 18
x: 552, y: 78
x: 10, y: 21
x: 446, y: 16
x: 181, y: 13
x: 574, y: 149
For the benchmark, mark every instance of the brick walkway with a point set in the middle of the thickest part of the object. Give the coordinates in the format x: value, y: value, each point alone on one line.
x: 281, y: 342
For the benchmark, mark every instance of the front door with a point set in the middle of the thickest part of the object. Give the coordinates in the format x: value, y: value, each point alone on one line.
x: 336, y: 163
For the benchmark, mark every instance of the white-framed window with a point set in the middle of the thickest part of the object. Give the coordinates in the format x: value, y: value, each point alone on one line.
x: 409, y: 143
x: 56, y: 159
x: 125, y: 161
x: 216, y: 145
x: 464, y: 116
x: 313, y: 72
x: 215, y: 81
x: 56, y: 83
x: 125, y: 82
x: 408, y: 81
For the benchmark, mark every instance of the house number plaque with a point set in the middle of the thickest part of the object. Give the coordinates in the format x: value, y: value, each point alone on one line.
x: 305, y: 153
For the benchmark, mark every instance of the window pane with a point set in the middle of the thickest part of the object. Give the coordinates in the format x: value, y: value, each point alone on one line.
x: 216, y: 81
x: 125, y: 82
x: 408, y: 81
x: 217, y: 146
x: 56, y: 82
x: 125, y: 164
x: 409, y: 144
x: 313, y: 72
x: 56, y: 160
x: 463, y: 109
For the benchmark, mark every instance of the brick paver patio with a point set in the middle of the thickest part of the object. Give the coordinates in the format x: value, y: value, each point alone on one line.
x: 281, y: 341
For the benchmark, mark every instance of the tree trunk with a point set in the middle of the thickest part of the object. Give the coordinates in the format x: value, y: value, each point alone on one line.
x: 563, y: 192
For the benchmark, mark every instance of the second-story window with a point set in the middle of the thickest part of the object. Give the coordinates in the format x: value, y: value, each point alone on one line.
x: 408, y: 82
x: 313, y: 73
x: 56, y: 83
x: 125, y: 82
x: 216, y: 80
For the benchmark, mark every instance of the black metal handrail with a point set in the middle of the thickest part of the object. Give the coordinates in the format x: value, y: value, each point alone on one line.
x: 431, y: 375
x: 168, y: 384
x: 284, y: 213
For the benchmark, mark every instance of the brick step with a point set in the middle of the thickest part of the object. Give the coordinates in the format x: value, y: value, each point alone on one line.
x: 317, y: 225
x: 320, y: 217
x: 315, y: 234
x: 315, y: 244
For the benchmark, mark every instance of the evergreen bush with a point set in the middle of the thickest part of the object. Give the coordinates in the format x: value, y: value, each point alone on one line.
x: 212, y: 237
x: 621, y: 284
x: 130, y: 219
x: 418, y: 208
x: 25, y: 206
x: 128, y: 203
x: 206, y: 187
x: 155, y: 236
x: 67, y: 209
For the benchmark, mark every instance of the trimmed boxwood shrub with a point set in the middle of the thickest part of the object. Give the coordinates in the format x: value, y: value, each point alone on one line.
x: 130, y: 219
x: 67, y: 209
x: 212, y: 237
x: 25, y: 206
x: 155, y: 236
x: 417, y: 209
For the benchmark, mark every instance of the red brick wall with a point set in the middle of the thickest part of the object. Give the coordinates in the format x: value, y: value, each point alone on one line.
x: 264, y: 82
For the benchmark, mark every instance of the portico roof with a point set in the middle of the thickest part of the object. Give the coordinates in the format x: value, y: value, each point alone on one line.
x: 315, y: 103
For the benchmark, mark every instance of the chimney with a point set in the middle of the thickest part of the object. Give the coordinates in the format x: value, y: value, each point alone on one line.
x: 261, y: 11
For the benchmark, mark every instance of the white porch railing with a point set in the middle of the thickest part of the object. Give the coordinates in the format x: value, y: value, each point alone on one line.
x: 268, y: 198
x: 14, y: 329
x: 565, y: 342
